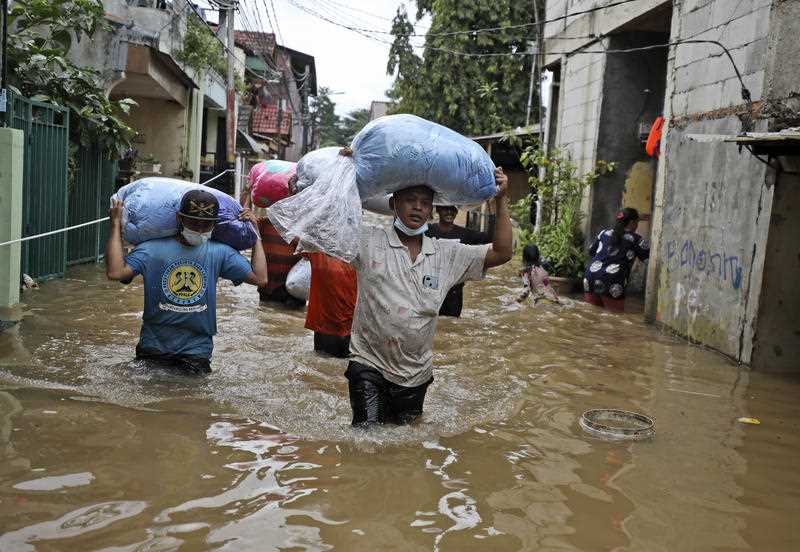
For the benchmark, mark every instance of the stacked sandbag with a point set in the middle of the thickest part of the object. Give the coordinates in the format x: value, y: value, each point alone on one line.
x: 391, y: 153
x: 298, y: 281
x: 150, y: 206
x: 272, y: 183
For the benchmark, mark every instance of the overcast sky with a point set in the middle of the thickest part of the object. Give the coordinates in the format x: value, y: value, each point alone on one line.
x: 351, y: 65
x: 348, y: 63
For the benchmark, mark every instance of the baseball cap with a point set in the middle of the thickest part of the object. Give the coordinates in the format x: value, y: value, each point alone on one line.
x: 199, y: 205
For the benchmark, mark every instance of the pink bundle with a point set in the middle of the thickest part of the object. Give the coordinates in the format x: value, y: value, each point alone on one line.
x: 270, y: 181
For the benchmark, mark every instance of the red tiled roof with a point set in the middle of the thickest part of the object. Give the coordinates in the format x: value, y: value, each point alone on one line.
x: 265, y: 120
x: 258, y: 43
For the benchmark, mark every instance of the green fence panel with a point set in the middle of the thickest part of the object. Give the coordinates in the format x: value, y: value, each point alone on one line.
x: 82, y: 242
x: 108, y: 186
x: 44, y: 196
x: 89, y: 195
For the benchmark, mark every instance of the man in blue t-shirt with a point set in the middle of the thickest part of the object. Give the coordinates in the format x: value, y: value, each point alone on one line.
x: 180, y: 281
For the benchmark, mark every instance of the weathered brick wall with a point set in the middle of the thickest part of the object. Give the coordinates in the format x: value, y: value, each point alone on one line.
x: 704, y: 78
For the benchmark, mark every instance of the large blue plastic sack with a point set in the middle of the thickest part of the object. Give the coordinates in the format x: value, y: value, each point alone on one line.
x: 150, y: 205
x: 389, y: 154
x: 398, y: 151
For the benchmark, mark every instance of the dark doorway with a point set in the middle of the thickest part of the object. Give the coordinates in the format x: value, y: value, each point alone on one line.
x: 776, y: 346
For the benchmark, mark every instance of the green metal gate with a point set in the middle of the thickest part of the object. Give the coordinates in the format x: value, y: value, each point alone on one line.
x: 89, y: 200
x: 44, y: 195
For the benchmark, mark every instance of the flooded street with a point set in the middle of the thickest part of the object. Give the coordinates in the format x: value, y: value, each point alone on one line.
x: 98, y: 454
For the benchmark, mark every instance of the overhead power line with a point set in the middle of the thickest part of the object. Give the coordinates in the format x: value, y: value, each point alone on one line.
x: 278, y: 32
x: 224, y: 46
x: 464, y: 32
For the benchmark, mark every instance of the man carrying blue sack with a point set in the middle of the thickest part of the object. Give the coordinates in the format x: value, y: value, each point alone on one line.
x: 403, y: 278
x: 180, y: 282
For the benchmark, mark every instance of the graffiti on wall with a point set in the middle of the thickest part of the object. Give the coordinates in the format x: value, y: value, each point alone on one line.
x: 688, y: 257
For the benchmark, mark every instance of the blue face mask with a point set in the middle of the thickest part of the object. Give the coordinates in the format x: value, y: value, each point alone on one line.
x: 409, y: 231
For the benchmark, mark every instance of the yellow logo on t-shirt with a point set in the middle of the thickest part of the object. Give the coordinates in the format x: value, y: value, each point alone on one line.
x: 184, y: 283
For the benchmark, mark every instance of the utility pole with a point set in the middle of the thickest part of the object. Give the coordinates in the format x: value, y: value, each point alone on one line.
x: 4, y: 71
x: 230, y: 84
x: 281, y: 107
x: 534, y: 56
x: 537, y: 210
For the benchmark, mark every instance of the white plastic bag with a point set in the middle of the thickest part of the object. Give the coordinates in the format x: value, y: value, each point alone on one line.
x: 298, y: 281
x: 325, y: 217
x: 313, y: 164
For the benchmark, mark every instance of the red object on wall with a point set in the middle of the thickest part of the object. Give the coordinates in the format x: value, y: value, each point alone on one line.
x: 653, y: 144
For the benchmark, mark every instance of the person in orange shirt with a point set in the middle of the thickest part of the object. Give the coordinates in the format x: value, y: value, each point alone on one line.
x: 331, y: 302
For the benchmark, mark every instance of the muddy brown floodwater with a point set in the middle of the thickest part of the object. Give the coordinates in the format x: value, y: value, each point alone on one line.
x: 98, y: 454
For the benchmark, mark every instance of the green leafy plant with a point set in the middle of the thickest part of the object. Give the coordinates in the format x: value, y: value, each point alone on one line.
x: 560, y: 187
x: 240, y: 84
x: 200, y: 49
x: 41, y: 34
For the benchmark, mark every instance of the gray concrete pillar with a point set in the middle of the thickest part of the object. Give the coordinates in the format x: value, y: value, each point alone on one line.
x: 11, y: 163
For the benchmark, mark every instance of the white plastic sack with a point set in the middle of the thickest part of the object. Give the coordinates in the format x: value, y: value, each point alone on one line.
x: 298, y: 281
x: 326, y: 216
x: 313, y: 164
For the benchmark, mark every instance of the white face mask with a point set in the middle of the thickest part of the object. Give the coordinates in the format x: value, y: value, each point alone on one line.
x: 195, y: 238
x: 409, y: 231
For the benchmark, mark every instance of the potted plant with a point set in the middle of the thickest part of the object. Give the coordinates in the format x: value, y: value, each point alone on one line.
x: 149, y: 164
x: 559, y: 187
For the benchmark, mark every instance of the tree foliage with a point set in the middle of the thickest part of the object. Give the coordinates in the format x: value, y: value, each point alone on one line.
x: 352, y: 123
x: 560, y: 187
x: 200, y: 49
x: 324, y: 117
x: 333, y: 129
x: 41, y: 34
x: 472, y: 95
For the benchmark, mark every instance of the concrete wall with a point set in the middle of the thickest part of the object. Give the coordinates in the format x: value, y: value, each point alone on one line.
x: 162, y: 125
x: 713, y: 203
x: 563, y: 35
x: 579, y: 107
x: 194, y: 134
x: 11, y: 162
x: 212, y: 123
x: 712, y: 224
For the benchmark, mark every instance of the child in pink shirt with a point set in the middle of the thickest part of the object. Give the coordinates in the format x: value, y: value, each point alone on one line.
x: 535, y: 278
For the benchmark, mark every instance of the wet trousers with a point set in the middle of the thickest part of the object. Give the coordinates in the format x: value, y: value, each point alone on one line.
x: 338, y: 346
x: 376, y: 400
x: 194, y: 366
x: 604, y: 301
